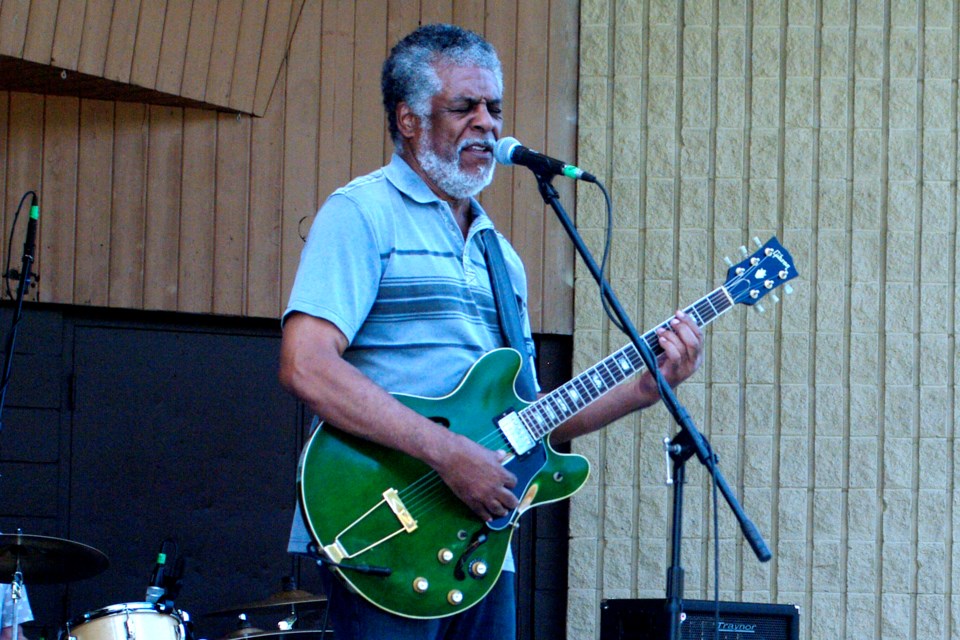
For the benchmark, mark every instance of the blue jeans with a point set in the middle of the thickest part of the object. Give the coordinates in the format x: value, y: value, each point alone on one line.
x: 353, y: 618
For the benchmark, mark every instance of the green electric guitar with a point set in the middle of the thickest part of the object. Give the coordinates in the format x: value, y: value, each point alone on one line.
x: 394, y: 531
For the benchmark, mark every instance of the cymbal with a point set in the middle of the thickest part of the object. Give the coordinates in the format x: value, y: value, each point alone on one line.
x: 292, y: 597
x: 46, y: 560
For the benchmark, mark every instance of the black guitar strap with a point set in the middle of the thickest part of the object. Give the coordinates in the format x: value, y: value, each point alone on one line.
x: 508, y: 312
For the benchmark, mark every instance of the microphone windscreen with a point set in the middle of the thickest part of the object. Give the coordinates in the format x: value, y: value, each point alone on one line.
x: 503, y: 150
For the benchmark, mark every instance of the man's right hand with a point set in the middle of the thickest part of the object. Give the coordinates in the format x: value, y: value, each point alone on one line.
x: 477, y: 476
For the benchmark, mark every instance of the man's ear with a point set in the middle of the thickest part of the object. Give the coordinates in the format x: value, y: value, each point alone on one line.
x: 408, y: 123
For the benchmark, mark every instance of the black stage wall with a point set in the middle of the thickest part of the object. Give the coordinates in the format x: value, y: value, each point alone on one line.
x: 124, y: 428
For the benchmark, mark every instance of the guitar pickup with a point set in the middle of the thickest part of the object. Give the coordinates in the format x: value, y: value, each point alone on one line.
x: 515, y: 432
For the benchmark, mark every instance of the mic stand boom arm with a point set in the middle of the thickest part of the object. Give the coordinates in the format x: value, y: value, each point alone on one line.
x: 687, y: 443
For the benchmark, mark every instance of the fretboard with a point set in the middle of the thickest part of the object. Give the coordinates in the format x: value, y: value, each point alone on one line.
x: 553, y: 409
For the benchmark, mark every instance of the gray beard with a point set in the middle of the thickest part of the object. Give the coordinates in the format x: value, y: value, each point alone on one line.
x: 448, y: 175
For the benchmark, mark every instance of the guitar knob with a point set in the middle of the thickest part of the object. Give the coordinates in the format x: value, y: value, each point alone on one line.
x: 420, y: 584
x: 445, y: 556
x: 455, y: 597
x: 478, y: 568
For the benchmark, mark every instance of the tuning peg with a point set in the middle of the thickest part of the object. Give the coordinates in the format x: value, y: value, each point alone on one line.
x: 774, y: 297
x: 759, y: 308
x: 743, y: 251
x: 788, y: 289
x: 756, y: 241
x: 728, y: 261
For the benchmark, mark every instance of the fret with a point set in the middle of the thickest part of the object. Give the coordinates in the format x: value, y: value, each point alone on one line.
x: 587, y: 392
x: 572, y: 396
x: 693, y: 311
x: 712, y: 307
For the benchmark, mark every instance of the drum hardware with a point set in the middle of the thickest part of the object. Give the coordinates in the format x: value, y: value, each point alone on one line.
x: 45, y: 560
x: 244, y: 629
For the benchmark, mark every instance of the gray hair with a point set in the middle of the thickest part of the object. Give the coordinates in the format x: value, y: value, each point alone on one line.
x: 409, y: 73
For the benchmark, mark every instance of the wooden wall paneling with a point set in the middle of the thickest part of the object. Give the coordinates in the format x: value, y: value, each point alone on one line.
x: 94, y: 185
x: 403, y: 16
x: 336, y: 95
x: 266, y: 211
x: 173, y: 46
x: 222, y: 55
x: 122, y: 40
x: 301, y: 88
x: 246, y: 62
x: 526, y: 231
x: 231, y: 213
x: 470, y: 14
x: 128, y: 205
x: 196, y: 65
x: 24, y: 168
x: 14, y: 15
x: 40, y: 29
x: 369, y: 123
x: 162, y: 230
x: 68, y: 34
x: 146, y: 53
x: 500, y: 26
x: 281, y: 19
x: 197, y: 198
x: 95, y: 37
x: 561, y: 110
x: 58, y: 202
x: 436, y: 11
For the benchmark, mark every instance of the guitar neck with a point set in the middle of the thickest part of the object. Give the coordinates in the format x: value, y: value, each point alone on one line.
x: 561, y: 404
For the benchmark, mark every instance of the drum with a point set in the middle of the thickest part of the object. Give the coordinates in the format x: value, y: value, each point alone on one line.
x: 129, y: 621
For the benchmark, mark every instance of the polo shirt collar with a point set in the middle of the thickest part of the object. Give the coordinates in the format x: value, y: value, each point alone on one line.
x: 409, y: 183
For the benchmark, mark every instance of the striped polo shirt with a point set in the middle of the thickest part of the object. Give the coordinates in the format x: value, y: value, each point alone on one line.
x: 387, y: 264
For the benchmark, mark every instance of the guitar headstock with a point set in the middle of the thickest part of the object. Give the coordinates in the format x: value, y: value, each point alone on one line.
x: 760, y: 273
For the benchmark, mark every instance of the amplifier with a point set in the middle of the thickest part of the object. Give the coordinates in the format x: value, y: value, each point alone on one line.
x: 642, y: 619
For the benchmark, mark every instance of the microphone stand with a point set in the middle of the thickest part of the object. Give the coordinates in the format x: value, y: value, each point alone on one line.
x: 687, y: 443
x: 28, y: 251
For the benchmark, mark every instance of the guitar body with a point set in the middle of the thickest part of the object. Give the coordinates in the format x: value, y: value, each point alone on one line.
x: 369, y: 505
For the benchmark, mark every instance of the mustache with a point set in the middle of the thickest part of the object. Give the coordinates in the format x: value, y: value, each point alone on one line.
x: 480, y: 142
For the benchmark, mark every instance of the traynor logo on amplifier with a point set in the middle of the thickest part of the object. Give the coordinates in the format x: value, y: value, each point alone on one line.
x: 728, y: 627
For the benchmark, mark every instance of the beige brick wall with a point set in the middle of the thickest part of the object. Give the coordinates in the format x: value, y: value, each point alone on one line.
x: 832, y: 124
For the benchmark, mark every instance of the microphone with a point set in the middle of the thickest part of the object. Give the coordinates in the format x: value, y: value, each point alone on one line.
x: 510, y: 151
x: 155, y: 589
x: 30, y: 244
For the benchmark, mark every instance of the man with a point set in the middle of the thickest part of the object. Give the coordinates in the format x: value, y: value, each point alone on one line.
x: 392, y: 294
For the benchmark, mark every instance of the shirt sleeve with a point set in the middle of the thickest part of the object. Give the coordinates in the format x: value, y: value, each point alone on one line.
x: 340, y: 266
